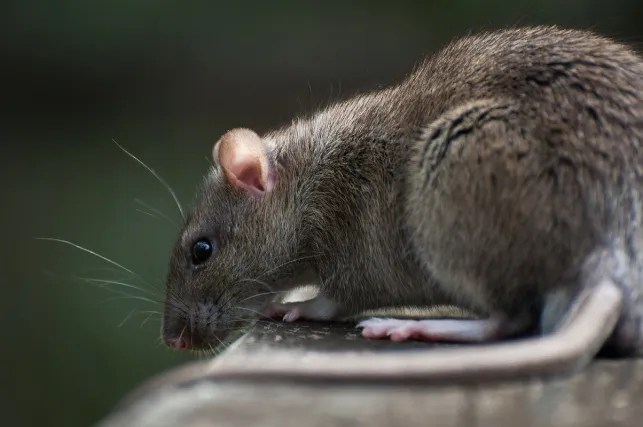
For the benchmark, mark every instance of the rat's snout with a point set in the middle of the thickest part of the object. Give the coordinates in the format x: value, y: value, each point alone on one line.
x: 180, y: 330
x: 181, y: 341
x: 196, y: 326
x: 178, y: 334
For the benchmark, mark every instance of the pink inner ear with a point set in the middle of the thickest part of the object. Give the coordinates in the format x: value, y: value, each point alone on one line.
x: 242, y: 156
x: 247, y: 174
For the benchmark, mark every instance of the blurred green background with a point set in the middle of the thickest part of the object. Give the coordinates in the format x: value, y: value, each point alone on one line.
x: 166, y: 79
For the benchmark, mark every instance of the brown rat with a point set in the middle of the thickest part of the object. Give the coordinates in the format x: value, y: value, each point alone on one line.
x: 503, y: 175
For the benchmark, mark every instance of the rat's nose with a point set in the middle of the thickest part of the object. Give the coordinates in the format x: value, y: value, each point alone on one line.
x: 181, y: 342
x: 180, y: 333
x: 180, y: 338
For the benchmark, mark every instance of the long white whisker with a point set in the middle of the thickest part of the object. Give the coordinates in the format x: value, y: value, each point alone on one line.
x: 157, y: 212
x: 161, y: 180
x: 127, y: 317
x: 261, y: 294
x: 146, y: 319
x: 286, y: 263
x: 148, y: 214
x: 98, y: 282
x: 100, y: 270
x: 151, y: 301
x: 158, y: 313
x: 253, y: 311
x: 67, y: 242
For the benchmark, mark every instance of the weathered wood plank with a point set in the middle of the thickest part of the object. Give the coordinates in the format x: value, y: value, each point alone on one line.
x: 608, y: 393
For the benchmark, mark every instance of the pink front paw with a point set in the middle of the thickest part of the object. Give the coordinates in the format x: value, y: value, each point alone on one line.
x: 317, y: 309
x: 288, y: 313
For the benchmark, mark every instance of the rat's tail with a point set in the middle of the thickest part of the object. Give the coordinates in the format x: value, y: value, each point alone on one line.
x: 623, y: 270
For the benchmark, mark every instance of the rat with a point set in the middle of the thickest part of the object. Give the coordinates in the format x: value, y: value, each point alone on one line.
x: 503, y: 175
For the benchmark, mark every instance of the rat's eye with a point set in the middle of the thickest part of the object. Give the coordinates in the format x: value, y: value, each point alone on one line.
x: 201, y: 251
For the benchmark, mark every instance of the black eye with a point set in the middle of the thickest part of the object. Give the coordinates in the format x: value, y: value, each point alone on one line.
x: 201, y: 251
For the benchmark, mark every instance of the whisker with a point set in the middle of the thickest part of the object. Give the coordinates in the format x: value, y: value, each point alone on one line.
x: 147, y: 319
x: 157, y: 212
x: 136, y: 297
x: 212, y: 351
x: 253, y: 311
x: 176, y: 304
x: 218, y: 339
x: 258, y: 281
x: 286, y: 263
x: 182, y: 332
x: 67, y: 242
x: 126, y: 318
x: 104, y: 287
x: 262, y: 294
x: 101, y: 270
x: 113, y: 271
x: 148, y: 214
x: 102, y: 282
x: 224, y: 305
x: 151, y: 312
x: 169, y: 189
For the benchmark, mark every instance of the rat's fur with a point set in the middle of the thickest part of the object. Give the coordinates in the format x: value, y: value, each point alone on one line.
x: 503, y: 175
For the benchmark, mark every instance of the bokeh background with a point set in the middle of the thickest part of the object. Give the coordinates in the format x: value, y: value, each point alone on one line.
x: 166, y: 79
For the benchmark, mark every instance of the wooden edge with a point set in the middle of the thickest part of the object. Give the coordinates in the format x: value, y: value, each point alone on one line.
x: 173, y: 378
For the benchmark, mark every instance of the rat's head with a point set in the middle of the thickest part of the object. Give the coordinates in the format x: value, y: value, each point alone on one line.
x: 236, y: 245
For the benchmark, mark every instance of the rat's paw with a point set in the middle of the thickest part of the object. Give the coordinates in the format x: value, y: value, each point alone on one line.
x: 395, y: 329
x: 288, y: 312
x: 319, y: 308
x: 454, y: 330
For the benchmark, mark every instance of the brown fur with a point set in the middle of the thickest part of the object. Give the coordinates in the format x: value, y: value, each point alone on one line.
x: 503, y: 175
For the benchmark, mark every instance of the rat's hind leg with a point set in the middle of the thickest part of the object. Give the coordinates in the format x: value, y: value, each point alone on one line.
x: 495, y: 221
x: 460, y: 216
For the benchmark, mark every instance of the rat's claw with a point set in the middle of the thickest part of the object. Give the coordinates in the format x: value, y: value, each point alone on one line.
x: 395, y: 329
x: 292, y: 315
x: 288, y: 312
x: 379, y: 328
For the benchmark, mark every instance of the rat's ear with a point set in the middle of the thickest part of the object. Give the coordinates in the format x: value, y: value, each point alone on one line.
x: 242, y: 155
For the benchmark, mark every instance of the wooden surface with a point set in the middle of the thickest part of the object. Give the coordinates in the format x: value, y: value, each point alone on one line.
x: 608, y: 393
